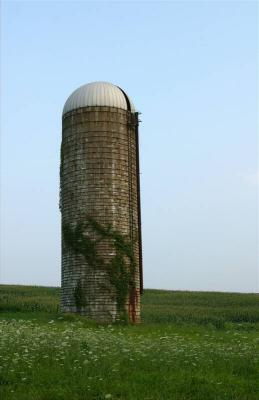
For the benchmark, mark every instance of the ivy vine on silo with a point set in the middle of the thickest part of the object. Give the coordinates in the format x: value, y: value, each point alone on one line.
x: 120, y: 268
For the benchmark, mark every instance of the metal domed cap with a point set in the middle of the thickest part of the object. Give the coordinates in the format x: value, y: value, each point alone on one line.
x: 98, y: 94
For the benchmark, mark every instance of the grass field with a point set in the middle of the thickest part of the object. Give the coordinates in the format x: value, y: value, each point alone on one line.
x: 190, y: 345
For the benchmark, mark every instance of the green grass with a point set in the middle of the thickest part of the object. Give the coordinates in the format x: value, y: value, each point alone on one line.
x: 190, y: 345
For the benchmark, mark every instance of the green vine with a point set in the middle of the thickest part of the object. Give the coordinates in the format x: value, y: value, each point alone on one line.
x: 79, y: 296
x: 121, y: 267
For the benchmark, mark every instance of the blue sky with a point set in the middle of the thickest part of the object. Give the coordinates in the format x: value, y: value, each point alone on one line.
x: 190, y: 69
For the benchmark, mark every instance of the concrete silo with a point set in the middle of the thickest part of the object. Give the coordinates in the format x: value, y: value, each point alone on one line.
x: 100, y: 204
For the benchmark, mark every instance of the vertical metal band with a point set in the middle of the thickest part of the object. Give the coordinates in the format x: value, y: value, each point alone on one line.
x: 139, y: 206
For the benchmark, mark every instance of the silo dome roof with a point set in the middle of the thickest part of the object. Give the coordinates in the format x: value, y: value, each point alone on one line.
x: 98, y: 94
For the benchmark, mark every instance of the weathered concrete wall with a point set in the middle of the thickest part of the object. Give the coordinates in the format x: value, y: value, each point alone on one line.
x: 99, y: 179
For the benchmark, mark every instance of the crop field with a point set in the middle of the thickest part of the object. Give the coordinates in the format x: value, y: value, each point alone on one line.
x: 190, y: 345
